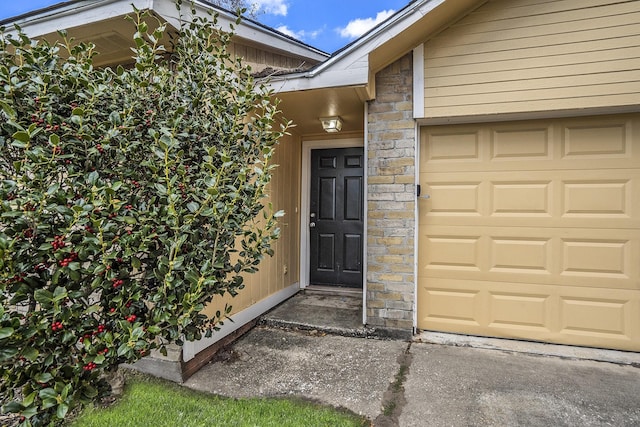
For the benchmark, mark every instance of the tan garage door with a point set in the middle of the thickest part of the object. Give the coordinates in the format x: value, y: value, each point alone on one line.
x: 532, y: 230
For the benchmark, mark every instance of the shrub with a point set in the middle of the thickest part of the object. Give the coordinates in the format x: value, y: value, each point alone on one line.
x: 130, y: 197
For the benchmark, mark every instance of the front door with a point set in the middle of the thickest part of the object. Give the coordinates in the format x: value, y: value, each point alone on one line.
x: 336, y: 217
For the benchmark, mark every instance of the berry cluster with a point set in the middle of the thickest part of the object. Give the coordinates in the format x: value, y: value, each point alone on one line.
x: 101, y: 329
x: 99, y: 148
x: 89, y: 366
x: 131, y: 318
x: 68, y: 260
x: 16, y: 278
x: 58, y: 242
x: 104, y: 351
x: 182, y: 190
x: 117, y: 282
x: 57, y: 326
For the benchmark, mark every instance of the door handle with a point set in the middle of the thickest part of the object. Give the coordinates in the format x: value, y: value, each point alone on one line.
x: 312, y: 224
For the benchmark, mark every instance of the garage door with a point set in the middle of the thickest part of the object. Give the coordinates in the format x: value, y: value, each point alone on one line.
x: 532, y: 230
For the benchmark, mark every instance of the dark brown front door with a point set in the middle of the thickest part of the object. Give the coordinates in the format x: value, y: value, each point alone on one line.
x: 336, y: 217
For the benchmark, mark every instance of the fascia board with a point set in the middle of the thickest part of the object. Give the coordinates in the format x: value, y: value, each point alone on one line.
x: 75, y: 14
x: 330, y: 78
x: 247, y: 29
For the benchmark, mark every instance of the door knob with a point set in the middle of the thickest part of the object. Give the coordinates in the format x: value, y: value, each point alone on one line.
x: 312, y: 224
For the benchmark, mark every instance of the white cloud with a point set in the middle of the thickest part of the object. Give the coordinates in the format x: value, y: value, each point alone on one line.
x: 359, y: 26
x: 272, y: 7
x: 300, y: 35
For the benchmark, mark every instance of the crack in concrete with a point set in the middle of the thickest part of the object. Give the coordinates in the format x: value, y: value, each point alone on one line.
x: 393, y: 400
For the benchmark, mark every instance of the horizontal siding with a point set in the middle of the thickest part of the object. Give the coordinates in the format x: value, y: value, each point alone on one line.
x: 281, y: 270
x: 515, y: 56
x: 259, y: 59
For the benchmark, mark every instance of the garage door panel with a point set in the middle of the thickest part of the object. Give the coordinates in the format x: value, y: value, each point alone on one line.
x: 532, y: 230
x: 578, y: 316
x: 565, y: 256
x: 534, y: 145
x: 453, y: 305
x: 600, y: 318
x: 570, y: 198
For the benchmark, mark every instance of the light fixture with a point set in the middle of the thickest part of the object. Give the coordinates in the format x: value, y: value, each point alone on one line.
x: 331, y: 124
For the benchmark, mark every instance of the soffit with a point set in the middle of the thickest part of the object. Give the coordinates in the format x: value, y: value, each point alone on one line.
x: 305, y: 108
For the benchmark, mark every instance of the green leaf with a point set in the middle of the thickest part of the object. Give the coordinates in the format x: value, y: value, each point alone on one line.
x: 123, y: 350
x: 54, y: 139
x: 43, y: 377
x: 93, y: 177
x: 135, y: 262
x: 27, y: 401
x: 43, y: 296
x: 161, y: 188
x: 6, y: 332
x: 159, y: 153
x: 99, y: 359
x: 49, y: 403
x: 21, y: 136
x: 47, y: 393
x: 192, y: 206
x: 68, y: 337
x: 8, y: 110
x: 53, y: 188
x: 62, y: 410
x: 12, y: 407
x: 89, y: 391
x: 30, y: 353
x: 130, y: 220
x: 7, y: 353
x: 59, y: 293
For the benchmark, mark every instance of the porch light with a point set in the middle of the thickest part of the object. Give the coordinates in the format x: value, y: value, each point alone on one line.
x: 331, y: 124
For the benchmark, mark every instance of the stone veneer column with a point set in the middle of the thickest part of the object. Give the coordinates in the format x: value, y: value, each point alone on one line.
x: 391, y: 200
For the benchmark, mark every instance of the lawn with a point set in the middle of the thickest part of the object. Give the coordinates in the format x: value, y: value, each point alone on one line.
x: 153, y: 402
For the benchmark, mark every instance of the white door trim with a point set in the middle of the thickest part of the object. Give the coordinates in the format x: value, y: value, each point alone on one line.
x: 307, y: 146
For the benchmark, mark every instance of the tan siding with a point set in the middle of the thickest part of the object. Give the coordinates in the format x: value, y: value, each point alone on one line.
x: 259, y: 59
x: 284, y: 195
x: 535, y: 55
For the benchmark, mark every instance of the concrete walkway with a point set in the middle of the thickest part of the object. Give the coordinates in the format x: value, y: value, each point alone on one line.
x: 412, y: 383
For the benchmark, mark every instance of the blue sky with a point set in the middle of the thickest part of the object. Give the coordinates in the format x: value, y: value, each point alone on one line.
x: 326, y: 24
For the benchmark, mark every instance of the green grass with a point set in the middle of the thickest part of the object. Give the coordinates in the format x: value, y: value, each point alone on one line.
x: 157, y: 403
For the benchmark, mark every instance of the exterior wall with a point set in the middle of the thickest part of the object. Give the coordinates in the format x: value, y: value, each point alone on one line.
x: 391, y: 199
x: 280, y: 271
x: 260, y: 59
x: 515, y: 56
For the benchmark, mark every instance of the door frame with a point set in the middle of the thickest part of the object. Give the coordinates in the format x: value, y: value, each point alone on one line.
x: 305, y: 246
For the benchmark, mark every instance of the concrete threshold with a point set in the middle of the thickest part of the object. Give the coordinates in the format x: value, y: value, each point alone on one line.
x: 531, y: 348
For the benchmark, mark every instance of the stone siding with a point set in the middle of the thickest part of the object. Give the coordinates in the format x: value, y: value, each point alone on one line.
x: 391, y: 199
